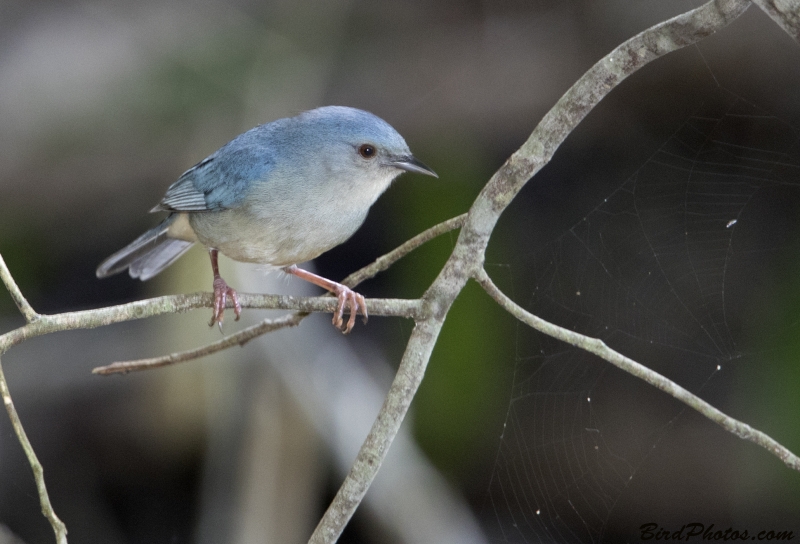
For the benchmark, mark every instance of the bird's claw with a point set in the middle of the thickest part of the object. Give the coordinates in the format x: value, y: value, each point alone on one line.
x: 221, y: 293
x: 347, y: 296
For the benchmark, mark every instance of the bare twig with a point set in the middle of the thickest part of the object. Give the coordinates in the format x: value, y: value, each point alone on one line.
x: 44, y: 324
x: 239, y: 338
x: 269, y: 325
x: 467, y: 257
x: 88, y: 319
x: 599, y: 348
x: 16, y: 294
x: 465, y: 261
x: 99, y: 317
x: 383, y: 263
x: 784, y: 12
x: 38, y: 471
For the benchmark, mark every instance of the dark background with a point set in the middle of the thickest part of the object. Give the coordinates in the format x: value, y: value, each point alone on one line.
x: 104, y: 104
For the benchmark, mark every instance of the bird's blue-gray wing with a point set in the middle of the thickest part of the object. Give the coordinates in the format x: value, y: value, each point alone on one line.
x: 220, y: 181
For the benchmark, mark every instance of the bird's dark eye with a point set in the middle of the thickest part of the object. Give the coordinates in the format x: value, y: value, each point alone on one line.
x: 366, y: 150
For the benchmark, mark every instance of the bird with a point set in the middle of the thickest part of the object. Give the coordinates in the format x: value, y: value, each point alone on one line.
x: 278, y: 195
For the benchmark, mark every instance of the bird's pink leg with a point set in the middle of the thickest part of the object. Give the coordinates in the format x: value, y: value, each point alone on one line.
x: 344, y: 294
x: 221, y: 293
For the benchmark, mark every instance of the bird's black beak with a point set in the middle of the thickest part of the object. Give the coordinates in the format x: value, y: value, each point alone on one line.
x: 410, y: 163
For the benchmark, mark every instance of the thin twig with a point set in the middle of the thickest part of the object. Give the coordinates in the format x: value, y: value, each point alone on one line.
x: 383, y: 263
x: 99, y: 317
x: 239, y: 338
x: 21, y: 302
x: 38, y: 471
x: 269, y: 325
x: 599, y: 348
x: 466, y: 259
x: 44, y: 324
x: 89, y: 319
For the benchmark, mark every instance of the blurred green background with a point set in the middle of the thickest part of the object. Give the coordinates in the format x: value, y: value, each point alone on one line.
x: 104, y: 103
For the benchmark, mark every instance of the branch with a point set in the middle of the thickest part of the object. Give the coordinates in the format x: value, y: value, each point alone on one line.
x: 599, y: 348
x: 383, y: 263
x: 16, y: 294
x: 467, y: 257
x: 269, y: 325
x: 238, y: 339
x: 784, y: 12
x: 99, y: 317
x: 373, y: 451
x: 38, y: 471
x: 44, y: 324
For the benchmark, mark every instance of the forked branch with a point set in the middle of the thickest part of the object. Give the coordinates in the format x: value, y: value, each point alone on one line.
x: 240, y: 338
x: 468, y: 255
x: 43, y: 324
x: 465, y: 262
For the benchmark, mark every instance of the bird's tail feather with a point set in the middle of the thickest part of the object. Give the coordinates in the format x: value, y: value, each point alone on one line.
x: 146, y: 256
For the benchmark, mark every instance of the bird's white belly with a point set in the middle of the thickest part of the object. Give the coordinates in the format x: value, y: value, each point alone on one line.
x: 277, y: 240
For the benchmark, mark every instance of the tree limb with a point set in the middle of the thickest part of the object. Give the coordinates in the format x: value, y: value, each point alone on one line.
x: 239, y: 338
x: 38, y: 471
x: 99, y: 317
x: 784, y: 12
x: 383, y: 263
x: 467, y: 257
x: 44, y: 324
x: 465, y: 261
x: 242, y: 337
x: 599, y: 348
x: 21, y: 302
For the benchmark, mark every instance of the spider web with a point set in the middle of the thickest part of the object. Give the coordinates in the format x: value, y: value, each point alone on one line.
x: 666, y: 270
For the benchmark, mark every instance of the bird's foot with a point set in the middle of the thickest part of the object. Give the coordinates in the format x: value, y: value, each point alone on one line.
x: 346, y: 296
x: 221, y: 293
